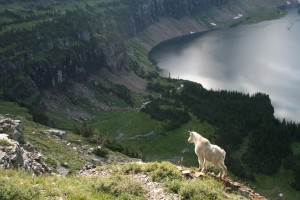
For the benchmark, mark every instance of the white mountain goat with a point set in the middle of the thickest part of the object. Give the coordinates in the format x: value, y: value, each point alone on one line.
x: 208, y: 152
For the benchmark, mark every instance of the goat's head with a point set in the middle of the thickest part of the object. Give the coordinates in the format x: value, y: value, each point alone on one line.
x: 191, y: 138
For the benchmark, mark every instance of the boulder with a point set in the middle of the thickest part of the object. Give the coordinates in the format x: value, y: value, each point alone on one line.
x: 59, y: 133
x: 13, y: 129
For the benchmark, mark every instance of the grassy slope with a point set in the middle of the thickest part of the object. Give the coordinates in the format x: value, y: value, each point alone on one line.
x: 43, y: 187
x: 273, y: 185
x: 117, y: 186
x: 52, y: 149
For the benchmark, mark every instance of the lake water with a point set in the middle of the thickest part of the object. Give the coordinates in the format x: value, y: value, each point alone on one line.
x: 263, y: 57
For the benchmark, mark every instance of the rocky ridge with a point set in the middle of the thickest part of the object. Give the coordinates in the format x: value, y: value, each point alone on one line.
x: 156, y: 190
x: 231, y: 186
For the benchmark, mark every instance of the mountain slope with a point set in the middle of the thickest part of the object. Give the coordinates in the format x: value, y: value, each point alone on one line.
x: 124, y: 179
x: 45, y: 44
x: 81, y: 64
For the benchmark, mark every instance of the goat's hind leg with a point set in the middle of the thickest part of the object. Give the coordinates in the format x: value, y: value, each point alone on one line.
x: 223, y: 170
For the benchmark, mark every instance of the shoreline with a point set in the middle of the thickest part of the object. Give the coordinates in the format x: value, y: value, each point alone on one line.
x: 190, y: 38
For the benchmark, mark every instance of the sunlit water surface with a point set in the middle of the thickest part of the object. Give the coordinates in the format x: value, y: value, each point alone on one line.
x: 263, y: 57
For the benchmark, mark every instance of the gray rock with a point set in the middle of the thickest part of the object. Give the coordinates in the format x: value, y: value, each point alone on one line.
x: 18, y: 154
x: 59, y: 133
x: 13, y: 128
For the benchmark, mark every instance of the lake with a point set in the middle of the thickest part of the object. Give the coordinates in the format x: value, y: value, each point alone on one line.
x: 263, y: 57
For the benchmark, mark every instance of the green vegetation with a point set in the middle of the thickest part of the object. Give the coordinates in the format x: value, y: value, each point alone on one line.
x: 168, y: 174
x: 265, y: 14
x: 53, y: 150
x: 100, y: 151
x: 37, y: 34
x: 204, y: 189
x: 260, y: 15
x: 163, y: 171
x: 43, y: 187
x: 281, y: 182
x: 116, y: 185
x: 5, y: 143
x: 237, y: 116
x: 120, y: 186
x: 12, y: 108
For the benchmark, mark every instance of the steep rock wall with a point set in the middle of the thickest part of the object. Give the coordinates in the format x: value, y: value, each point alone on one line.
x: 152, y: 11
x: 194, y: 16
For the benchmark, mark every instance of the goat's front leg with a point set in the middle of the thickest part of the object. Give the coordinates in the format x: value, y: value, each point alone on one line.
x: 203, y: 166
x: 201, y: 162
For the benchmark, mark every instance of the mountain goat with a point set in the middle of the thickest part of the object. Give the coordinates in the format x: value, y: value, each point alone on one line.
x: 208, y: 152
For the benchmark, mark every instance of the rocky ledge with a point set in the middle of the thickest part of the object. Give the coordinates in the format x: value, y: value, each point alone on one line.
x: 15, y: 152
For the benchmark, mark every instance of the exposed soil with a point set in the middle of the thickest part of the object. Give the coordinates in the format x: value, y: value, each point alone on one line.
x: 62, y: 101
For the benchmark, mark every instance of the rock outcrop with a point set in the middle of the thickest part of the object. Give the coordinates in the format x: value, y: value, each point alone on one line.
x: 231, y: 186
x: 58, y: 133
x: 15, y: 152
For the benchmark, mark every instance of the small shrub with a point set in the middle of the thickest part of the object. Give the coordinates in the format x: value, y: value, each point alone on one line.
x: 126, y: 196
x: 150, y: 167
x: 206, y: 189
x: 113, y: 145
x: 102, y: 152
x: 119, y: 186
x: 129, y: 151
x: 132, y: 167
x: 85, y: 130
x: 9, y: 191
x: 163, y: 171
x: 5, y: 143
x: 174, y: 186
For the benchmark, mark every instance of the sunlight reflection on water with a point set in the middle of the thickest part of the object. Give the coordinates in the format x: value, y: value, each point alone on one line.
x: 262, y: 57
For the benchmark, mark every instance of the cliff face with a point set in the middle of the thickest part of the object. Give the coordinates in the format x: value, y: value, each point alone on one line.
x: 193, y: 16
x: 152, y: 10
x: 80, y: 41
x: 76, y: 64
x: 59, y: 62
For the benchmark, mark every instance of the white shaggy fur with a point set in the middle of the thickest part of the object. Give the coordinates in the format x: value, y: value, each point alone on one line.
x: 208, y: 152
